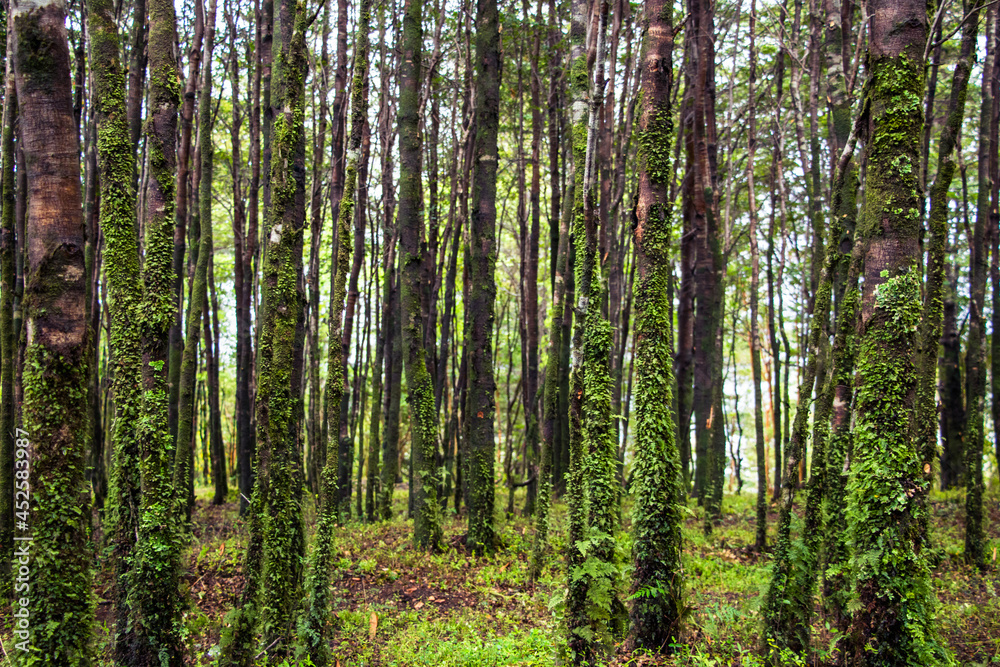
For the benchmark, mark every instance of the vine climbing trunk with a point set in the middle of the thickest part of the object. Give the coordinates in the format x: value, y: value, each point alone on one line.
x: 153, y: 584
x: 658, y: 583
x: 894, y: 618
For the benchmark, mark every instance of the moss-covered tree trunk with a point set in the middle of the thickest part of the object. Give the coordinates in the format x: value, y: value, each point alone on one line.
x: 357, y: 258
x: 552, y: 416
x: 529, y: 260
x: 789, y: 603
x: 154, y: 583
x: 183, y: 475
x: 8, y: 248
x: 994, y: 227
x: 318, y: 583
x: 576, y: 600
x: 280, y: 309
x: 975, y: 356
x: 894, y: 618
x: 419, y: 388
x: 930, y: 325
x: 57, y: 357
x: 479, y: 313
x: 600, y: 450
x: 182, y: 199
x: 658, y: 582
x: 115, y: 158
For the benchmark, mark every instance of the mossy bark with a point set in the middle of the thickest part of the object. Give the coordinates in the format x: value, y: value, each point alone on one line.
x: 154, y: 578
x: 894, y: 622
x: 658, y: 579
x: 600, y: 456
x: 125, y: 296
x: 552, y: 414
x: 419, y: 387
x: 8, y: 249
x: 183, y: 475
x: 313, y: 632
x: 56, y: 365
x: 578, y: 621
x: 480, y: 407
x: 181, y: 217
x: 937, y: 223
x: 975, y: 356
x: 280, y: 310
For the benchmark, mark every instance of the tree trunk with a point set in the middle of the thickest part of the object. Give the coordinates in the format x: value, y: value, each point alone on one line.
x: 930, y: 326
x: 657, y: 480
x: 181, y: 215
x: 530, y: 263
x: 158, y: 547
x: 183, y: 475
x: 55, y: 433
x: 332, y: 501
x: 8, y: 249
x: 952, y: 418
x: 479, y: 430
x: 886, y: 461
x: 760, y: 539
x: 419, y: 388
x: 276, y: 457
x: 317, y: 446
x: 576, y: 603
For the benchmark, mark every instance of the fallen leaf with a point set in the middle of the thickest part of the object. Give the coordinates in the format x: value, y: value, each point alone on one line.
x: 418, y: 605
x: 372, y: 626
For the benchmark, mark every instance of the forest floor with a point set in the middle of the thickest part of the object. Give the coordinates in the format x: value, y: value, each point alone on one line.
x: 394, y: 605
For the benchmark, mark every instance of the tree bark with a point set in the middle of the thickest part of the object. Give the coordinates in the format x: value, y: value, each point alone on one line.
x: 53, y: 443
x: 8, y: 345
x: 479, y: 429
x: 419, y: 388
x: 657, y: 481
x: 183, y: 475
x: 886, y: 460
x: 975, y: 355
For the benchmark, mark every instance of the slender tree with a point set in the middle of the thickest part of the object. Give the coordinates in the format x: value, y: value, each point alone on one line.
x: 760, y: 540
x: 419, y: 388
x: 318, y: 583
x: 183, y: 475
x: 479, y: 430
x: 657, y: 583
x: 153, y: 579
x: 975, y: 356
x: 8, y: 249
